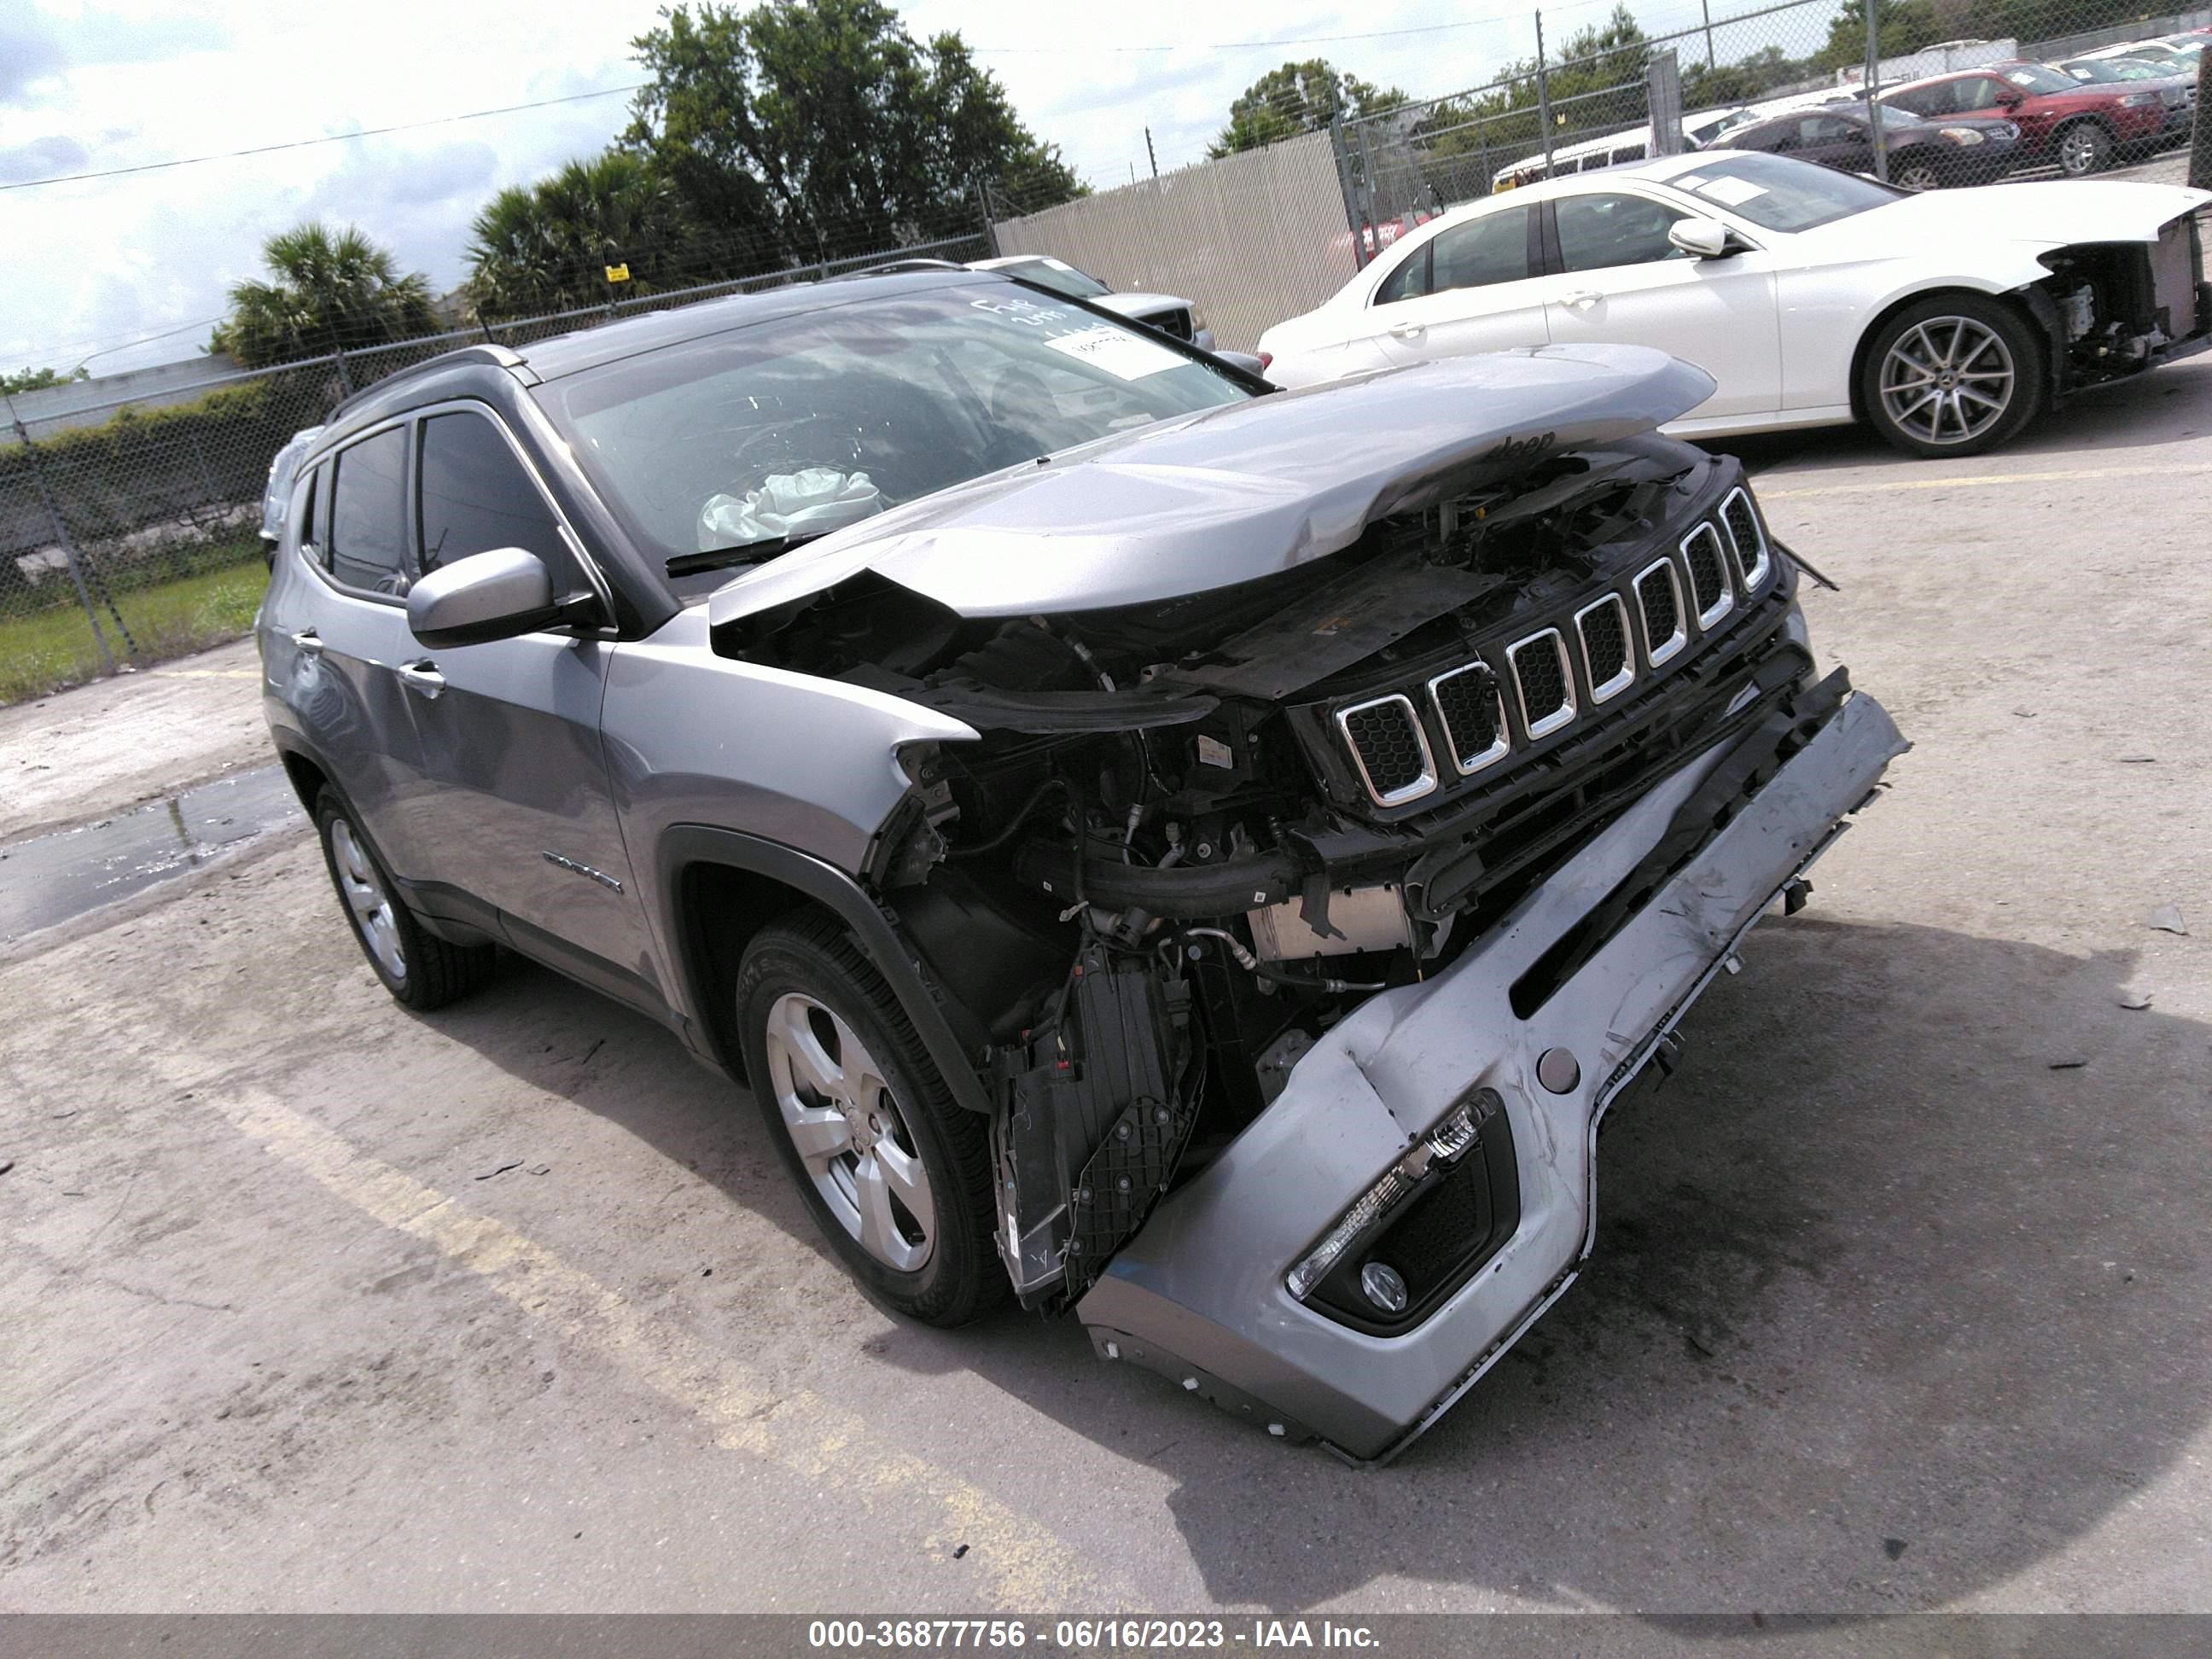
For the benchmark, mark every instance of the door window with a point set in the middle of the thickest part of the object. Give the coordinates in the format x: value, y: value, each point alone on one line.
x: 368, y: 531
x: 476, y: 496
x: 1976, y: 91
x: 1598, y: 232
x: 1825, y: 130
x: 1409, y: 282
x: 1923, y: 100
x: 1491, y: 249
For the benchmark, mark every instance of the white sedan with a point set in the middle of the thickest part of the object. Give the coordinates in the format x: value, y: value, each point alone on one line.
x: 1945, y: 320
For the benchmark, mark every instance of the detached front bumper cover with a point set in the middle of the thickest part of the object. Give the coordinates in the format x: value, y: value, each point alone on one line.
x: 1200, y: 1294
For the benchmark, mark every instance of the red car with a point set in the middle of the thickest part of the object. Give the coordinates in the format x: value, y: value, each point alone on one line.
x: 2077, y: 125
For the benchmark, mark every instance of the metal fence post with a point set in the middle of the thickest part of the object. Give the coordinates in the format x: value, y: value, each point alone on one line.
x: 1543, y: 95
x: 1662, y: 76
x: 1873, y: 87
x: 1341, y: 149
x: 983, y: 206
x: 69, y: 553
x: 2200, y: 133
x: 345, y: 380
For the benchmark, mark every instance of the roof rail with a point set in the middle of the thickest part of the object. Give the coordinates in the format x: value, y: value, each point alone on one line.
x: 480, y: 352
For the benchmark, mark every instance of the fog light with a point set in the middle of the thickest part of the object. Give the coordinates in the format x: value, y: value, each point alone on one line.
x: 1382, y: 1285
x: 1443, y: 1145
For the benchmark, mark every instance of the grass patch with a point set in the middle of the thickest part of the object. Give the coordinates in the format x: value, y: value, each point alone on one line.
x: 54, y: 649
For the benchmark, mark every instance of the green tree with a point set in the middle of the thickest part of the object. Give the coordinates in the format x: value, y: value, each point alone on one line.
x: 327, y: 289
x: 1903, y: 25
x: 38, y: 380
x: 1597, y: 58
x: 1295, y: 99
x: 546, y: 247
x: 1742, y: 82
x: 805, y: 128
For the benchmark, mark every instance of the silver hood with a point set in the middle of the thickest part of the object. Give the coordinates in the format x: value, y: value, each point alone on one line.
x: 1236, y: 492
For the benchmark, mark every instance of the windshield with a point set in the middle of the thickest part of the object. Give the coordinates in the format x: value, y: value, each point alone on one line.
x: 2108, y: 68
x: 2037, y: 77
x: 803, y: 424
x: 1060, y: 278
x: 1777, y: 193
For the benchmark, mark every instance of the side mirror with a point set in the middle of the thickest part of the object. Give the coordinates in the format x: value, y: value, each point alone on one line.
x: 486, y: 596
x: 1707, y: 238
x: 1244, y: 360
x: 2010, y: 100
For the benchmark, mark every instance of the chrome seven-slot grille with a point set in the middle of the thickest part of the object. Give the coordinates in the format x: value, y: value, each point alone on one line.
x: 1721, y: 562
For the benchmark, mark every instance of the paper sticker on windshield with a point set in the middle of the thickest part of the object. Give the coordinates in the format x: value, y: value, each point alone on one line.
x: 1732, y: 192
x: 1125, y: 356
x: 1691, y: 181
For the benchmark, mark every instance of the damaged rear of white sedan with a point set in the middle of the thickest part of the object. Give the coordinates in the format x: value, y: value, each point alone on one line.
x: 1203, y: 858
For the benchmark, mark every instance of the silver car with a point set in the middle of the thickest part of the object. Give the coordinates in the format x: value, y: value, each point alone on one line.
x: 1201, y: 856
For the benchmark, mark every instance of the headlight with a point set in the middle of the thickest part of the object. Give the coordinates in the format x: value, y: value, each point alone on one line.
x: 2137, y: 99
x: 1961, y: 135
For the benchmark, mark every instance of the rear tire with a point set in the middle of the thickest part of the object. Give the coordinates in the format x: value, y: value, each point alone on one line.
x: 896, y: 1173
x: 2083, y: 149
x: 420, y: 970
x: 1952, y: 374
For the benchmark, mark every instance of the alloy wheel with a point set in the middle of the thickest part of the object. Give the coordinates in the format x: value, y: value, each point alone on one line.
x: 1918, y: 176
x: 2081, y: 149
x: 366, y: 897
x: 1947, y: 380
x: 849, y: 1132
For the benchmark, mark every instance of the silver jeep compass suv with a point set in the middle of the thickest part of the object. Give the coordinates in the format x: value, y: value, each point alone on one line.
x: 1200, y: 855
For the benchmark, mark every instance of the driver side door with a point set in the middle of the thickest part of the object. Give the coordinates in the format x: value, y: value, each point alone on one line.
x: 1622, y: 282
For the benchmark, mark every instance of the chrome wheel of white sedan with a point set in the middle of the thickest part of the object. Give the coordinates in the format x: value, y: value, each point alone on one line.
x: 1947, y: 380
x: 849, y: 1132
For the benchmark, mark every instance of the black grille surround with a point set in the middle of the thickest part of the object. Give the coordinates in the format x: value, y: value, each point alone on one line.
x: 1566, y: 657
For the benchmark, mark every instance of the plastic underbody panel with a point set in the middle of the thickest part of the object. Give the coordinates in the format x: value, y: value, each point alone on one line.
x: 1200, y: 1294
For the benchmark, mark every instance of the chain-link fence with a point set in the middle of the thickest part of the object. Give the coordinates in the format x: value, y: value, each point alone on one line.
x: 1927, y: 94
x: 131, y: 532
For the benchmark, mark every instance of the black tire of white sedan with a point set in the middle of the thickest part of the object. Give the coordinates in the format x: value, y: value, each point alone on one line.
x: 1953, y: 374
x: 897, y: 1174
x: 2083, y: 149
x: 419, y: 968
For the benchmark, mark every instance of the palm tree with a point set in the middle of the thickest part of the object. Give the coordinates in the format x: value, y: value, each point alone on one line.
x: 546, y: 247
x: 328, y: 290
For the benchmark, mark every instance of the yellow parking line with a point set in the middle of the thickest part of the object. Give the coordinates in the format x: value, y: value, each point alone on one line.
x: 1025, y: 1565
x: 1883, y: 485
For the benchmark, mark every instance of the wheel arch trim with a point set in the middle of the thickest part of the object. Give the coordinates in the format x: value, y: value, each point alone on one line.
x: 684, y: 849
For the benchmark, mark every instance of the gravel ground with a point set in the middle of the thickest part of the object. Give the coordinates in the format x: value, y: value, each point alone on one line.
x: 1902, y: 1298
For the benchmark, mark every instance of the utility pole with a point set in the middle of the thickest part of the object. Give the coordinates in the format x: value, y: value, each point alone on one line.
x: 1148, y: 153
x: 1543, y: 95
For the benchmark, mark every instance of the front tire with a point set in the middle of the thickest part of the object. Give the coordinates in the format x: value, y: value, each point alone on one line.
x: 1916, y: 172
x: 897, y: 1175
x: 420, y: 970
x: 2083, y: 149
x: 1953, y: 375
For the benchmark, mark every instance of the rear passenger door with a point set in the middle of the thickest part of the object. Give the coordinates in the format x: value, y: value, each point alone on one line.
x: 1476, y: 286
x: 334, y: 635
x: 517, y: 804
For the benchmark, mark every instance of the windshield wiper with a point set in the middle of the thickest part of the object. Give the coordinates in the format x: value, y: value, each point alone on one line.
x: 725, y: 558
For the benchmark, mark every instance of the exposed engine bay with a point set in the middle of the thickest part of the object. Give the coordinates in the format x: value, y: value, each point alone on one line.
x: 2111, y: 308
x: 1196, y: 834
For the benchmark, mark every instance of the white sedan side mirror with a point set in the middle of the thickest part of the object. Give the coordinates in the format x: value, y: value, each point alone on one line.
x: 1706, y: 238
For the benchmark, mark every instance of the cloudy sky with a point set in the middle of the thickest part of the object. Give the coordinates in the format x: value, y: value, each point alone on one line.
x: 95, y: 267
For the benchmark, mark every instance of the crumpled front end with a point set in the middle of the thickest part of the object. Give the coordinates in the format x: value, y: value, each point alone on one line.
x: 1472, y: 1100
